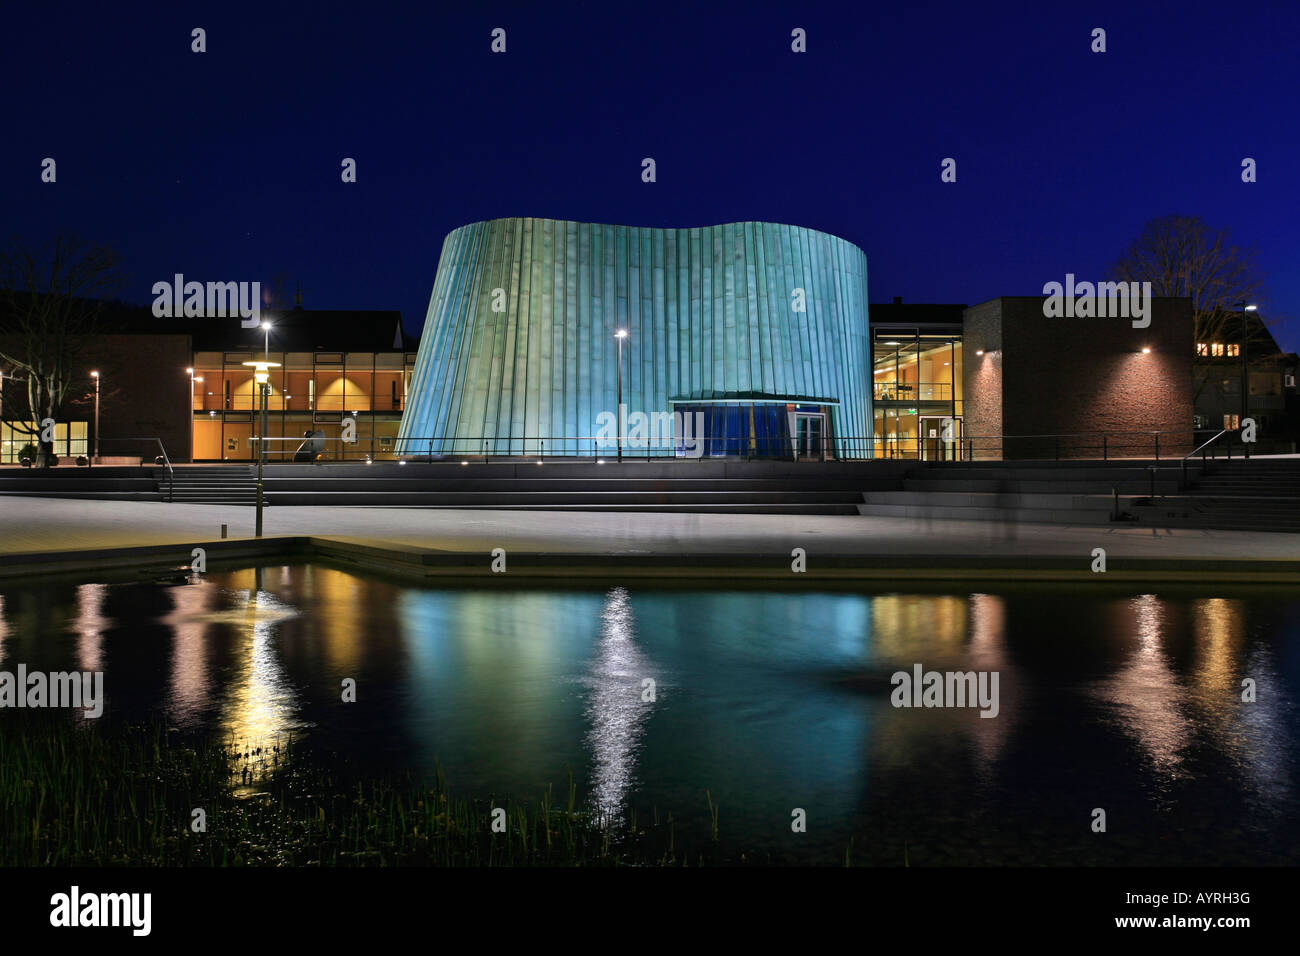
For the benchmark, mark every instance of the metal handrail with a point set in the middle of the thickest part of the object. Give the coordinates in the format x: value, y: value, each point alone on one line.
x: 1135, y: 443
x: 1182, y: 482
x: 1147, y: 470
x: 167, y: 462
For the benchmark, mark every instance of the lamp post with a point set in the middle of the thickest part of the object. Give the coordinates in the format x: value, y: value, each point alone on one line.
x: 262, y: 376
x: 620, y: 335
x: 1245, y: 375
x: 266, y: 341
x: 95, y: 376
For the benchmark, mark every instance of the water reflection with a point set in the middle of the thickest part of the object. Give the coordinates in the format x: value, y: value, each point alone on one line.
x: 1145, y: 698
x: 190, y: 685
x: 90, y: 625
x: 775, y: 700
x: 262, y: 704
x: 617, y: 708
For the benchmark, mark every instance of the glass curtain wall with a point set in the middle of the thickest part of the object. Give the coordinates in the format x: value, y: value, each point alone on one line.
x: 310, y: 392
x: 916, y: 393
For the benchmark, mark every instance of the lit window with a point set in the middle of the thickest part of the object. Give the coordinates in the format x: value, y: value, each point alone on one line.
x: 1234, y: 349
x: 1217, y: 349
x: 1202, y: 348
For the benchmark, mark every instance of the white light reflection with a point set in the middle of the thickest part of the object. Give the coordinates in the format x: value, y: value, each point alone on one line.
x: 190, y: 684
x: 1147, y: 700
x: 615, y: 708
x: 89, y: 626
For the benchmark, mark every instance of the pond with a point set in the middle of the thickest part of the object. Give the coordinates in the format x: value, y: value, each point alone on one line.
x: 778, y: 708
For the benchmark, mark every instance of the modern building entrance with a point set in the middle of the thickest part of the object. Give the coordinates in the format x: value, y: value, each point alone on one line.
x: 809, y: 435
x: 934, y: 447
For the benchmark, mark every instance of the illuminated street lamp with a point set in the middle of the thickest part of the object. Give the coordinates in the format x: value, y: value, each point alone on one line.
x: 620, y: 335
x: 262, y: 376
x: 95, y: 376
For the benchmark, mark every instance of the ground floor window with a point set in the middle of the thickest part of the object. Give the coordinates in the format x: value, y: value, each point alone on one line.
x: 70, y: 440
x: 761, y: 429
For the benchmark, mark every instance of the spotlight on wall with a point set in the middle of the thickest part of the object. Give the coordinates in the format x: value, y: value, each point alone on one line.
x: 979, y: 351
x: 1146, y: 350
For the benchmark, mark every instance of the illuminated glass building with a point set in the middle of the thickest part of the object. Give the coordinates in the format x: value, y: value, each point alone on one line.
x: 758, y: 330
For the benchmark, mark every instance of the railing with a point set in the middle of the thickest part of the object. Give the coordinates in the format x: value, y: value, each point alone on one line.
x: 166, y: 461
x: 1148, y: 470
x: 1182, y: 481
x: 1106, y: 446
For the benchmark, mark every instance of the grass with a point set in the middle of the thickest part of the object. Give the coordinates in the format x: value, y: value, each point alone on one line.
x: 76, y: 796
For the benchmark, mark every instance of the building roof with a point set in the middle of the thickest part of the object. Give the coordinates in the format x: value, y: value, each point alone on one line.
x: 292, y: 330
x: 914, y: 314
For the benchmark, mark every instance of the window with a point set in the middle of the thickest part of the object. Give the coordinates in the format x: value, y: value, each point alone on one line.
x: 1231, y: 421
x: 1217, y: 350
x: 1202, y: 348
x: 1234, y: 349
x: 1288, y: 380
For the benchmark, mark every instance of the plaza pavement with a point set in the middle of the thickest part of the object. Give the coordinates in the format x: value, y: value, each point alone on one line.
x: 30, y: 525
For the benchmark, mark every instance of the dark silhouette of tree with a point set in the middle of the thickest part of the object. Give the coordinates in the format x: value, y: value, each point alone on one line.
x: 1182, y: 256
x: 50, y: 299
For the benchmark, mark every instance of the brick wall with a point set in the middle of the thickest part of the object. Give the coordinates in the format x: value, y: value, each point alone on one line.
x: 1084, y: 377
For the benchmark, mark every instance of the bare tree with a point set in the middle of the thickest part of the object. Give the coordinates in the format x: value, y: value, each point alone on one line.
x: 1182, y: 256
x: 50, y: 298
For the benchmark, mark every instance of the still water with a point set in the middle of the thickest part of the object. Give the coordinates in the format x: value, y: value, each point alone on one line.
x: 772, y: 702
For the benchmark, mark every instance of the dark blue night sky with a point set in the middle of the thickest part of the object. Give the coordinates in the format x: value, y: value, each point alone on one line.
x: 225, y: 166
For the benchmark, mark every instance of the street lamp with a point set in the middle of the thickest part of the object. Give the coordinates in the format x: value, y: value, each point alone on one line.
x: 1245, y: 372
x: 95, y: 376
x: 620, y: 335
x: 262, y: 376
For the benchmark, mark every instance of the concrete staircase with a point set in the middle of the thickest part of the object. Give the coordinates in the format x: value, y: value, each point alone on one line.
x: 1255, y: 495
x: 210, y: 484
x: 711, y: 486
x: 1259, y: 494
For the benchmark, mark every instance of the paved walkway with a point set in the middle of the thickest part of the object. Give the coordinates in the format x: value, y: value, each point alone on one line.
x: 43, y: 524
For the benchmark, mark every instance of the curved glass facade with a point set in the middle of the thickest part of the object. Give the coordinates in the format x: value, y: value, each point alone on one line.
x: 754, y: 332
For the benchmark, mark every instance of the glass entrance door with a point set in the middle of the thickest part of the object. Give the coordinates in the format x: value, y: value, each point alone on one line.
x: 933, y: 444
x: 810, y: 435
